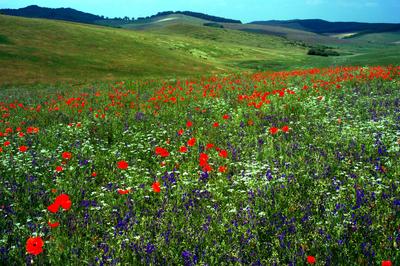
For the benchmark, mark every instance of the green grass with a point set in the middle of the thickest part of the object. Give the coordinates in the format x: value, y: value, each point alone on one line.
x: 326, y: 186
x: 163, y: 21
x: 35, y: 50
x: 46, y: 51
x: 382, y: 37
x: 291, y: 34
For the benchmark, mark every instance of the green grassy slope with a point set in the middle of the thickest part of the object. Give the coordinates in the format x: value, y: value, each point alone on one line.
x: 35, y: 50
x: 228, y: 36
x: 352, y: 52
x: 163, y: 21
x: 160, y: 23
x: 46, y: 51
x: 381, y: 37
x: 292, y: 34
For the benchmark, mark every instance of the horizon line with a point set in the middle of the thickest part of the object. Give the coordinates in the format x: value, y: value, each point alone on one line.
x: 279, y: 20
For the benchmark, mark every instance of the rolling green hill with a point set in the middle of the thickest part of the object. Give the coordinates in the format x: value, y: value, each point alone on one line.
x: 70, y: 14
x: 164, y: 23
x: 160, y: 22
x: 289, y: 33
x: 37, y: 50
x: 49, y: 51
x: 310, y: 31
x: 380, y: 38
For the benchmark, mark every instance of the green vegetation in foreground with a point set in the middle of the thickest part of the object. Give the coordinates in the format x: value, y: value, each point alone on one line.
x: 327, y: 186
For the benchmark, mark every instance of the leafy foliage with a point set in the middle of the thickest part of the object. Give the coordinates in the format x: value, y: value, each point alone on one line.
x: 214, y: 25
x: 67, y: 14
x: 322, y: 51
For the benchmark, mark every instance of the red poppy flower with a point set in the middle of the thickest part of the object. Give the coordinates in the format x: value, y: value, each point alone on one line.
x: 67, y: 155
x: 209, y: 146
x: 311, y: 259
x: 189, y: 124
x: 123, y: 165
x: 1, y: 149
x: 53, y: 225
x: 53, y: 208
x: 183, y: 149
x: 66, y: 205
x: 162, y: 152
x: 216, y: 124
x: 31, y: 130
x: 63, y: 201
x: 123, y: 191
x: 222, y: 169
x: 180, y: 132
x: 273, y: 130
x: 191, y: 142
x: 21, y: 134
x: 23, y: 149
x: 223, y: 154
x: 386, y: 263
x: 226, y: 116
x: 285, y: 129
x: 34, y: 245
x: 207, y: 168
x: 59, y: 168
x: 156, y: 187
x: 6, y: 143
x: 94, y: 174
x: 203, y: 159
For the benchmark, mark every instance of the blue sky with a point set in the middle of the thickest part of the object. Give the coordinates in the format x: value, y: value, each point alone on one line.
x: 245, y: 10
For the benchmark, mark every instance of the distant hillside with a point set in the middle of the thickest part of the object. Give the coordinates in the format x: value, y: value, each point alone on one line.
x: 292, y: 34
x: 67, y: 14
x: 193, y: 14
x: 322, y: 26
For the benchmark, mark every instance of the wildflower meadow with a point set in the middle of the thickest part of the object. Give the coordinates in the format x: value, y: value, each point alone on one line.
x: 273, y: 168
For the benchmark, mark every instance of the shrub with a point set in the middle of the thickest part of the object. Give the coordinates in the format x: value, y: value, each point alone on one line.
x: 322, y: 51
x: 214, y: 25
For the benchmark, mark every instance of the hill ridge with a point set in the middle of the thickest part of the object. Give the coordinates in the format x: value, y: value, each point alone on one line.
x: 70, y: 14
x: 320, y: 26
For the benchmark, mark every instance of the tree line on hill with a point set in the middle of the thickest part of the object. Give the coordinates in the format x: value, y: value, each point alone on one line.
x: 320, y: 26
x: 70, y: 14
